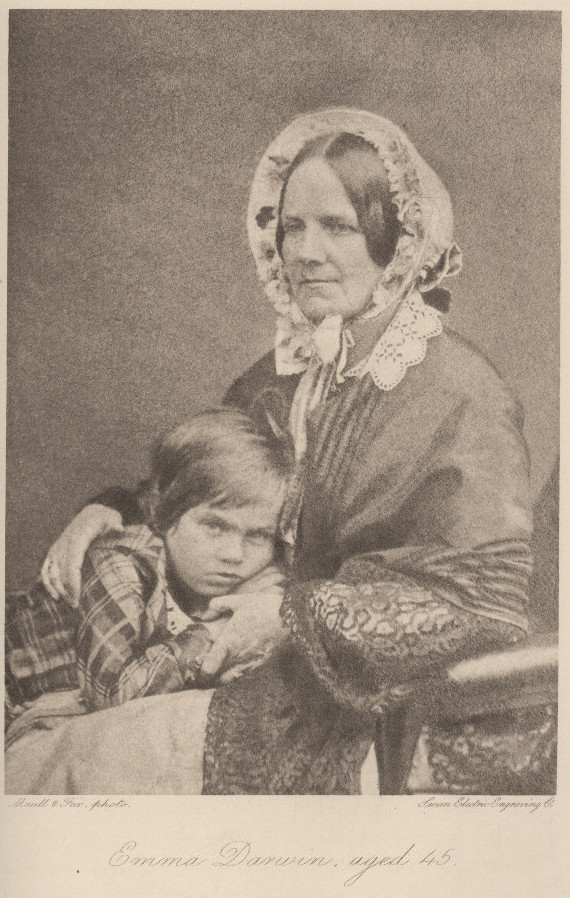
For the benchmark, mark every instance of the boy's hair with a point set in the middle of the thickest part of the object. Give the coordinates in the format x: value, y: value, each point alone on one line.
x: 219, y: 458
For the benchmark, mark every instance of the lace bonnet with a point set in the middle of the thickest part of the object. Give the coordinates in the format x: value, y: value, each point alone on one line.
x: 425, y: 253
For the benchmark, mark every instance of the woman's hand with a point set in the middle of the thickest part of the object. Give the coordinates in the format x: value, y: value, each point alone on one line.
x: 253, y: 632
x: 61, y: 570
x: 268, y: 583
x: 269, y: 580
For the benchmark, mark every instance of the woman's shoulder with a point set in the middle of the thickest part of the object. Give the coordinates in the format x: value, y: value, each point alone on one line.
x: 251, y: 380
x: 458, y: 366
x: 259, y: 377
x: 260, y: 392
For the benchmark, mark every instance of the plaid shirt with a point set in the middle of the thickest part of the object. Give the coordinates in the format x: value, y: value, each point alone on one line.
x: 39, y: 647
x: 128, y: 638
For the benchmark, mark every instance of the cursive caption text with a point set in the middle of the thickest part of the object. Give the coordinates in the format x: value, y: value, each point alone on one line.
x: 242, y: 854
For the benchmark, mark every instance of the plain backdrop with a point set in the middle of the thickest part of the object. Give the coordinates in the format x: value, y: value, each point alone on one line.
x: 133, y: 137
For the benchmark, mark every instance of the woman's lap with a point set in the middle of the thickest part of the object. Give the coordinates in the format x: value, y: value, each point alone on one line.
x: 151, y: 745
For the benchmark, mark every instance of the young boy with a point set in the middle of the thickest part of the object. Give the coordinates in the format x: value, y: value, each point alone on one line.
x: 144, y: 622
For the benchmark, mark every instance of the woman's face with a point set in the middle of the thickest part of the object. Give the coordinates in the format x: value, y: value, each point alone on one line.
x: 213, y: 549
x: 325, y: 257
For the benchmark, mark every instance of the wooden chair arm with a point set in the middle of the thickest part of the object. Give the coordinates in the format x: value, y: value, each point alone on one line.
x: 522, y: 677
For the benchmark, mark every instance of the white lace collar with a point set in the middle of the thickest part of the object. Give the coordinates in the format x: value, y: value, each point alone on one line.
x: 402, y: 345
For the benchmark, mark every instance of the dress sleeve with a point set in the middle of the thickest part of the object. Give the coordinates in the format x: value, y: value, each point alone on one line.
x: 121, y: 653
x: 453, y: 581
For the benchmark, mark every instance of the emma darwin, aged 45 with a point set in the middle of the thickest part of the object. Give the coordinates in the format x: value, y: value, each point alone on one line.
x: 262, y: 614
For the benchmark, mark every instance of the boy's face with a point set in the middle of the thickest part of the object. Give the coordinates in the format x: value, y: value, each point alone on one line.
x: 213, y: 549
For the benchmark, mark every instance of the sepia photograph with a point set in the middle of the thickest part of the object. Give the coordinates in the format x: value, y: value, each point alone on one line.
x: 282, y: 481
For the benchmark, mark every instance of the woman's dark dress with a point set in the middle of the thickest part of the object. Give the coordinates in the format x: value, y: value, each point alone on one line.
x: 412, y: 552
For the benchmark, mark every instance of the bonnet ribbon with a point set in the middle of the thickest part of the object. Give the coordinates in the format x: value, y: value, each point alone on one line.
x: 330, y: 344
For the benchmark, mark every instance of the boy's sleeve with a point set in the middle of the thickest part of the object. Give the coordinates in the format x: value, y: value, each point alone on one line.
x: 121, y: 653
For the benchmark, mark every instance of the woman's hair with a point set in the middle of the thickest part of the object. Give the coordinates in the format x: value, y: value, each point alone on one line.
x: 218, y: 457
x: 361, y: 172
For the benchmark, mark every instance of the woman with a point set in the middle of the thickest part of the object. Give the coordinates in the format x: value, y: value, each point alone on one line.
x: 408, y: 518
